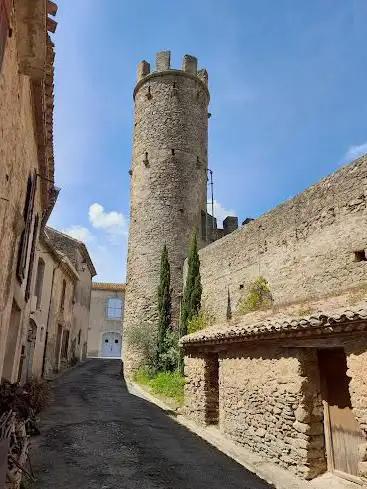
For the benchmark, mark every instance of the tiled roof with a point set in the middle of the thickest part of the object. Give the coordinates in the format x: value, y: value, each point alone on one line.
x: 68, y: 245
x: 108, y: 286
x: 259, y: 326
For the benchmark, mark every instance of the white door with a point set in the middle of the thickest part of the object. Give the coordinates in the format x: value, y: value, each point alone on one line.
x: 111, y: 345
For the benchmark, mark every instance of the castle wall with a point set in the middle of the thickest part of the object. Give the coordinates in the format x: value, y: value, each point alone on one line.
x: 305, y: 248
x: 168, y: 184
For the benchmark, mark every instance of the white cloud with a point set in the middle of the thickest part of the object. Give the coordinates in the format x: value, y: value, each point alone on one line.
x: 79, y: 232
x: 356, y: 151
x: 114, y: 223
x: 220, y: 212
x: 110, y: 261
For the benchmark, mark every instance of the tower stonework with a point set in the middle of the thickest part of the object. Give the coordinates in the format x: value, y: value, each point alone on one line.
x: 168, y: 186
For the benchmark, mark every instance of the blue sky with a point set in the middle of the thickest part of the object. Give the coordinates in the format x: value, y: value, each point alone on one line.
x: 288, y: 102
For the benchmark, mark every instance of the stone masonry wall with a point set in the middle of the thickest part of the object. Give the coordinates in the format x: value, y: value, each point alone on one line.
x: 269, y: 401
x: 17, y: 161
x: 168, y: 186
x: 356, y: 351
x: 304, y: 247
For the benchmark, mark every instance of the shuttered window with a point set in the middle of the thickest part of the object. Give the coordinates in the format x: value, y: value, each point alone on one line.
x: 4, y: 28
x: 31, y: 259
x: 28, y: 217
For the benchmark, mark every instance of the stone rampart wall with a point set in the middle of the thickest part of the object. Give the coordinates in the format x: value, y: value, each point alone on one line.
x: 304, y: 247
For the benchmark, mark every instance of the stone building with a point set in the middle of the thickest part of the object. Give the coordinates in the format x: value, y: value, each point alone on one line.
x: 52, y: 314
x: 77, y: 254
x: 168, y: 185
x: 27, y: 191
x: 289, y: 379
x: 106, y: 320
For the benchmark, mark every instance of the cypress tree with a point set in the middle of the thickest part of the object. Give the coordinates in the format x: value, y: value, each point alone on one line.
x: 164, y: 305
x: 192, y: 294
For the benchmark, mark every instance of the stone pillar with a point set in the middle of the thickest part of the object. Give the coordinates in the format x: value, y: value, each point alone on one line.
x: 202, y: 388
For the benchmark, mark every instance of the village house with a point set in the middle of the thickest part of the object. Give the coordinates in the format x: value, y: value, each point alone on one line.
x: 74, y: 345
x: 53, y: 306
x: 27, y: 190
x: 106, y: 320
x: 283, y: 372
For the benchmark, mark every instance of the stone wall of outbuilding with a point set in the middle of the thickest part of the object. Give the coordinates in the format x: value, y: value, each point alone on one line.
x: 269, y: 402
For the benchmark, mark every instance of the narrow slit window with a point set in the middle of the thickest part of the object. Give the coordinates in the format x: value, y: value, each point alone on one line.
x: 360, y: 255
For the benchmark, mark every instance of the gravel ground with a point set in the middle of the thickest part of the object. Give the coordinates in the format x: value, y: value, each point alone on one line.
x: 95, y: 435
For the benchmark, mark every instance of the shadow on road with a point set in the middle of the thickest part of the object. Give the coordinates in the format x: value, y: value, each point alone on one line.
x: 96, y: 435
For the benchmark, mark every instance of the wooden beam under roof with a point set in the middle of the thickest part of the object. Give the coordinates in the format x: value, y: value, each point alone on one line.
x: 51, y: 25
x: 51, y: 8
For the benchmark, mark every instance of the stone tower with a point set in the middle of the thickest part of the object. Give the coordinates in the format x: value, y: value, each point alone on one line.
x: 168, y: 185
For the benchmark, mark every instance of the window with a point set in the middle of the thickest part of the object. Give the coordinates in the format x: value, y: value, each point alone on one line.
x: 62, y: 303
x: 27, y: 215
x: 360, y: 255
x: 31, y: 259
x: 79, y: 334
x: 39, y: 281
x: 114, y: 308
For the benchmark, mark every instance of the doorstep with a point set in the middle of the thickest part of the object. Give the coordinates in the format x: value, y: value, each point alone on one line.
x: 268, y: 471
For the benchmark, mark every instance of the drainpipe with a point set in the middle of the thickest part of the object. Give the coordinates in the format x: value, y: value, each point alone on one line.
x: 48, y: 320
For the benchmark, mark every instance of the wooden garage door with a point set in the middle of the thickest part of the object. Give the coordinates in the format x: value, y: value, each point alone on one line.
x: 343, y: 434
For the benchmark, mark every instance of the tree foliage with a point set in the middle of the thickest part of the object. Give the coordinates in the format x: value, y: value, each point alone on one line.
x: 192, y: 294
x: 166, y: 338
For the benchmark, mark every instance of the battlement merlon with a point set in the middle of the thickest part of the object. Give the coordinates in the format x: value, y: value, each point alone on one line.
x: 143, y: 70
x: 163, y: 63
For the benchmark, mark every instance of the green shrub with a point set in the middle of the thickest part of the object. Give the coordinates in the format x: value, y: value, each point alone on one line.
x: 258, y: 297
x: 142, y: 337
x: 203, y: 320
x: 166, y: 384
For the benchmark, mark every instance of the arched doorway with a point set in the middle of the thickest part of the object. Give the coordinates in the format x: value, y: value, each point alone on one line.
x: 111, y: 345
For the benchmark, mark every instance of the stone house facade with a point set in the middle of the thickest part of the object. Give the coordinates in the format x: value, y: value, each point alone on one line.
x: 77, y: 254
x: 288, y: 380
x: 53, y: 302
x: 27, y: 191
x: 106, y: 320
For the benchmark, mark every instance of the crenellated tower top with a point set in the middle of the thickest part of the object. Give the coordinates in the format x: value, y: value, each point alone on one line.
x: 163, y: 65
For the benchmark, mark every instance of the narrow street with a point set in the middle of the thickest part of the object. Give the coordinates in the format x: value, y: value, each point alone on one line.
x: 95, y: 435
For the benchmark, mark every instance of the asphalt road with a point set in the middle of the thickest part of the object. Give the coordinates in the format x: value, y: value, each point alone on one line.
x: 95, y: 435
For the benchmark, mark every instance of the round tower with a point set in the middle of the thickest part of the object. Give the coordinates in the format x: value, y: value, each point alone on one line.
x: 168, y: 185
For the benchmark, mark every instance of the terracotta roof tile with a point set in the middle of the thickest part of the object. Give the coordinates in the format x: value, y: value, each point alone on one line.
x: 264, y: 324
x: 108, y: 286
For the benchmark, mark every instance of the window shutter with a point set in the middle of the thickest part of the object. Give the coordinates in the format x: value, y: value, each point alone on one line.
x: 31, y: 259
x: 4, y: 27
x: 28, y: 214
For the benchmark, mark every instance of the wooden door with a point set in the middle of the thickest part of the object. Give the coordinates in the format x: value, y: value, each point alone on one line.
x: 343, y: 434
x: 111, y: 345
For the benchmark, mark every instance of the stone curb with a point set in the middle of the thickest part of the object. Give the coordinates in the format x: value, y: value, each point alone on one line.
x: 271, y: 473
